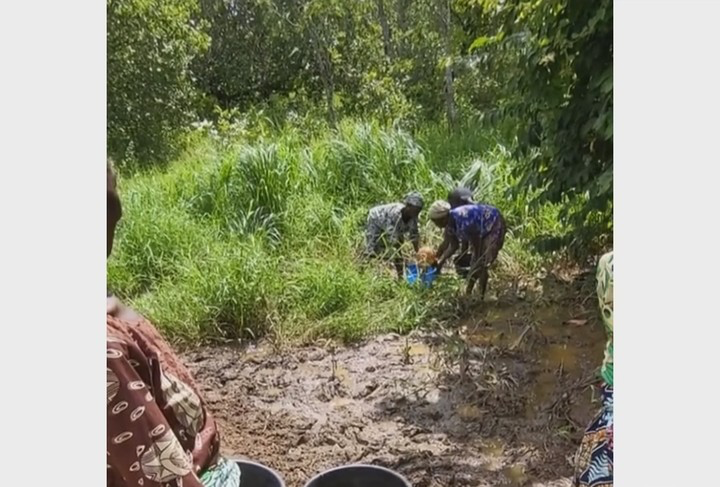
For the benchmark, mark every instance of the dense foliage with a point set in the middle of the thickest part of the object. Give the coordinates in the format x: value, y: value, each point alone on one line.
x: 559, y: 100
x: 151, y: 97
x: 286, y: 119
x: 539, y: 70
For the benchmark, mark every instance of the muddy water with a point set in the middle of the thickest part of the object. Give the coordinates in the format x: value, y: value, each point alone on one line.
x: 563, y: 347
x: 398, y: 402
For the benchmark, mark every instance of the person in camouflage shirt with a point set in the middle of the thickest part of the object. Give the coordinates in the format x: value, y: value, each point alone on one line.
x: 388, y: 226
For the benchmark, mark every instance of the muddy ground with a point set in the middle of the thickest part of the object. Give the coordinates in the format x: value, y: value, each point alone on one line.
x: 499, y: 398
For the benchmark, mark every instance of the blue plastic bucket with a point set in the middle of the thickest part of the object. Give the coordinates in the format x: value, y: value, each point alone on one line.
x: 429, y: 276
x: 412, y: 274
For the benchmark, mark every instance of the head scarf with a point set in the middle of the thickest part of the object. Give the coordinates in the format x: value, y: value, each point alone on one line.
x: 460, y: 196
x: 414, y: 199
x: 439, y: 209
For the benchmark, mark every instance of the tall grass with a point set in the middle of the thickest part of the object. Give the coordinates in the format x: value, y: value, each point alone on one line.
x: 262, y: 234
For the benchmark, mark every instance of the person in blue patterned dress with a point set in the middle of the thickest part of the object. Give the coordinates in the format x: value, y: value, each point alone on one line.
x: 482, y: 225
x: 461, y: 196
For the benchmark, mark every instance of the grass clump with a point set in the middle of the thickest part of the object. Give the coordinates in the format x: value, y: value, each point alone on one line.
x: 262, y: 233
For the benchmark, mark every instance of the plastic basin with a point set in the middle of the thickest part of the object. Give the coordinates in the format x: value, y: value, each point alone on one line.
x: 359, y: 476
x: 257, y: 475
x: 429, y: 276
x: 413, y: 274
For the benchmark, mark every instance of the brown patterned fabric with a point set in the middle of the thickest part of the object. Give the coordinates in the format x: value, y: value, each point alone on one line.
x: 159, y: 432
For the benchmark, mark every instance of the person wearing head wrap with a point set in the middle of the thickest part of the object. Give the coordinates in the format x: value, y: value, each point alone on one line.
x: 388, y: 225
x: 481, y: 225
x: 594, y: 458
x: 461, y: 196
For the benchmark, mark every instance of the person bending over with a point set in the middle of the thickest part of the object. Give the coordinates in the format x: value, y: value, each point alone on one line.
x: 388, y: 226
x: 483, y: 226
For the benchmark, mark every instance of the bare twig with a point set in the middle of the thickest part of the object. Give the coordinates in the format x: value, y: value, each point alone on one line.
x: 521, y: 337
x: 565, y: 393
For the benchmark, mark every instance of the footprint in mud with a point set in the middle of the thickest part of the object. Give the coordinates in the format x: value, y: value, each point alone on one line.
x: 343, y: 375
x: 493, y: 448
x: 418, y: 349
x: 561, y: 356
x: 542, y: 392
x: 515, y: 475
x: 470, y: 412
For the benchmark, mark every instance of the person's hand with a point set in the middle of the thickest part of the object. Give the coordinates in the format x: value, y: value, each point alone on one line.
x: 118, y: 310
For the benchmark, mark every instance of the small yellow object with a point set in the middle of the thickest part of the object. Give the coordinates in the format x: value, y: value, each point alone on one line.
x: 426, y: 256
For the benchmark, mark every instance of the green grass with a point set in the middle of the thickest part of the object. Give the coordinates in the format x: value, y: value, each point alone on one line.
x: 261, y: 235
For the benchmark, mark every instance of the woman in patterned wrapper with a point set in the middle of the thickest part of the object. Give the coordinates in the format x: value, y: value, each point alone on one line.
x: 159, y: 432
x: 461, y: 196
x: 594, y: 458
x: 483, y: 226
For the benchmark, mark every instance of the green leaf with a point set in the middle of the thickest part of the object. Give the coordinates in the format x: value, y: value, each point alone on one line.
x: 483, y: 41
x: 480, y: 42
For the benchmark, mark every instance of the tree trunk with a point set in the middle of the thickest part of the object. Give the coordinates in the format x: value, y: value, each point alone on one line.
x: 402, y: 25
x: 450, y: 107
x: 387, y: 35
x: 325, y: 68
x: 330, y: 100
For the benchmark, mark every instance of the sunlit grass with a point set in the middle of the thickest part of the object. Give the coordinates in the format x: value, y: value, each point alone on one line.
x: 262, y: 234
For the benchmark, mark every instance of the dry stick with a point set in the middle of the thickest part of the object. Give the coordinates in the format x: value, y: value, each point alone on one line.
x: 521, y: 337
x: 587, y: 299
x: 406, y: 352
x: 333, y: 365
x: 577, y: 425
x: 579, y: 384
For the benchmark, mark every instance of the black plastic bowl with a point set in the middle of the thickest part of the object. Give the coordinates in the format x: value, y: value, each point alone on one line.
x: 358, y: 476
x: 256, y: 475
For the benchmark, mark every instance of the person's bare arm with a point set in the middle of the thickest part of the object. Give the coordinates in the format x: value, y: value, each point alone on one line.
x: 441, y: 249
x: 415, y: 235
x: 450, y: 244
x: 443, y: 245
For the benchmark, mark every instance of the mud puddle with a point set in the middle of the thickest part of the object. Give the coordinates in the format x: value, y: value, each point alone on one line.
x: 508, y: 408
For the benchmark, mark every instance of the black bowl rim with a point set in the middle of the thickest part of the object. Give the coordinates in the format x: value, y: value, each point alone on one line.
x: 361, y: 465
x: 261, y: 465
